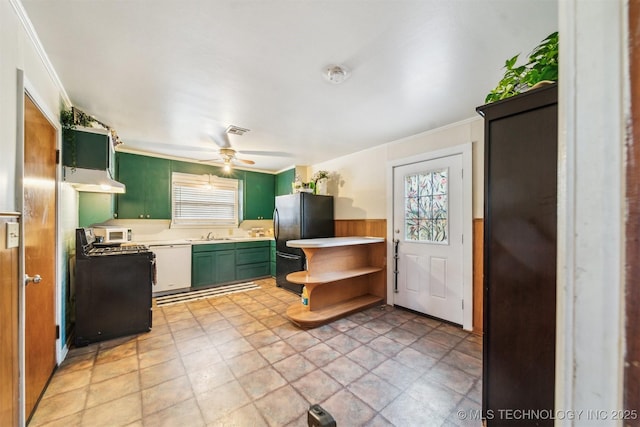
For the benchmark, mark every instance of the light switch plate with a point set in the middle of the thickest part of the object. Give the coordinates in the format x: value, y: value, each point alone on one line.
x: 13, y: 235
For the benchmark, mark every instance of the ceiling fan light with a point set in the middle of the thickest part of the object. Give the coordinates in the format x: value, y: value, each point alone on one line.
x: 227, y: 166
x: 336, y: 74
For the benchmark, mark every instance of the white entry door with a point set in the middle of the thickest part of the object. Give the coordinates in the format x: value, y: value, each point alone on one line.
x: 428, y: 226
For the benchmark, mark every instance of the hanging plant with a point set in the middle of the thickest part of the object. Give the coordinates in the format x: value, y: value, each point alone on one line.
x: 542, y: 66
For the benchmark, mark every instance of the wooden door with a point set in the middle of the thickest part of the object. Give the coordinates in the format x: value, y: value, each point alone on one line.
x: 9, y: 285
x: 39, y: 250
x: 428, y: 212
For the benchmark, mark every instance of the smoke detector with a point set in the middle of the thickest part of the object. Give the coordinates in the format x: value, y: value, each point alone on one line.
x: 236, y: 130
x: 336, y: 74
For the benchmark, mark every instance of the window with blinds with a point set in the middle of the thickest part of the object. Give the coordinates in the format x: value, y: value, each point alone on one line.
x: 203, y: 200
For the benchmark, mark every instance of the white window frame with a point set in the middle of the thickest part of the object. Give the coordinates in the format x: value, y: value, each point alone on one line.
x: 205, y: 182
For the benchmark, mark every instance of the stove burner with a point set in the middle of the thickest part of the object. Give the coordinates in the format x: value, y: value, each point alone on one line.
x: 118, y: 250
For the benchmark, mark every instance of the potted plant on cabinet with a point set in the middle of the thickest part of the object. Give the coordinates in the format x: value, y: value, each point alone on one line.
x: 541, y: 68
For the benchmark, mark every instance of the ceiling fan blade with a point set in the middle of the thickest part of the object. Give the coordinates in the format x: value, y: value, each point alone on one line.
x: 221, y: 139
x: 245, y: 161
x: 265, y: 153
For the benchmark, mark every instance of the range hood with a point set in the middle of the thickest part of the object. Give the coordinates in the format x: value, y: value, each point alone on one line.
x: 92, y: 180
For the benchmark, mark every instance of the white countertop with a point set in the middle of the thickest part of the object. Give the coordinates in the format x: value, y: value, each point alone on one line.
x: 197, y: 241
x: 329, y: 242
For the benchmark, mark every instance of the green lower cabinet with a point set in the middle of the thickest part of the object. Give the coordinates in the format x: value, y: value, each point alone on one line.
x: 220, y: 263
x: 272, y: 257
x: 252, y: 271
x: 252, y: 259
x: 212, y: 265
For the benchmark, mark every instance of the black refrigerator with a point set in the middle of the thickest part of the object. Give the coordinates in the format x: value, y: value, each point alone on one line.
x: 299, y: 216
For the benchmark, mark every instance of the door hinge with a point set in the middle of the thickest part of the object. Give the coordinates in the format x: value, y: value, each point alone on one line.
x: 462, y: 304
x: 57, y: 157
x: 57, y: 332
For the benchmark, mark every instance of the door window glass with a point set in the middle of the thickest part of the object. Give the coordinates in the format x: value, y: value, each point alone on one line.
x: 426, y: 208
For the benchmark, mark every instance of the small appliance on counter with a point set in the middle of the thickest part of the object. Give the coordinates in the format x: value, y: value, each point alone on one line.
x: 111, y: 235
x: 113, y: 289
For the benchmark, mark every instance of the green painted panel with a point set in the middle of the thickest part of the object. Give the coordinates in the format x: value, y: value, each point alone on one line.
x: 94, y: 208
x: 284, y: 181
x: 202, y: 269
x: 259, y: 195
x: 225, y: 266
x: 210, y: 247
x: 251, y: 256
x: 255, y: 244
x: 86, y: 150
x: 252, y: 271
x: 148, y: 181
x: 157, y: 187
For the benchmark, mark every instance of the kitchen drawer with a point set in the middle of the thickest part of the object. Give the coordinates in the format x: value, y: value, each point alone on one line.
x: 255, y: 244
x: 251, y: 256
x: 213, y: 247
x: 252, y: 271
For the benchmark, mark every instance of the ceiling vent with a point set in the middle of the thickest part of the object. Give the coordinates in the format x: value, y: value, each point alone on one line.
x: 236, y: 130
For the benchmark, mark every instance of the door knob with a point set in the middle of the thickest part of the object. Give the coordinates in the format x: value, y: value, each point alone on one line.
x: 35, y: 279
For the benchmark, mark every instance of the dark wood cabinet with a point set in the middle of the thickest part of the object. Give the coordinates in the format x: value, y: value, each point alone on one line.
x: 520, y: 212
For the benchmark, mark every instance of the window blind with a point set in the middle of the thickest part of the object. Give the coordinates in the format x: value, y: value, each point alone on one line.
x: 204, y: 200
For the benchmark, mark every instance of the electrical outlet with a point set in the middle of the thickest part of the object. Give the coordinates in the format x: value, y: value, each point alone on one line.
x: 13, y: 235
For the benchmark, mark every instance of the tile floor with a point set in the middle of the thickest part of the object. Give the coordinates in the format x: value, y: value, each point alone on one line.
x: 237, y: 361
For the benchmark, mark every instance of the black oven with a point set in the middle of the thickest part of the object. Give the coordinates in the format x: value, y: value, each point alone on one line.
x: 113, y: 289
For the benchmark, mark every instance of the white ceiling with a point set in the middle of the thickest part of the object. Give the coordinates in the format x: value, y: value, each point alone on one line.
x: 174, y: 72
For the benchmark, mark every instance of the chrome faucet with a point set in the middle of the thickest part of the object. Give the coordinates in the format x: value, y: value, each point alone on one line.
x: 210, y: 236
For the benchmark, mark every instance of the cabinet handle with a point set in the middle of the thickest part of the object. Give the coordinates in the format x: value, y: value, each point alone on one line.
x: 141, y: 216
x: 148, y: 216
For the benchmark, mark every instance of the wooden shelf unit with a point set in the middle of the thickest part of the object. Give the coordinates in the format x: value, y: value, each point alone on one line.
x: 342, y: 277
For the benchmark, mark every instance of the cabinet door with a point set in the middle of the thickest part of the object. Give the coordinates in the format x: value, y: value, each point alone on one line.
x: 157, y: 188
x: 259, y: 195
x: 148, y: 181
x: 131, y: 172
x: 225, y: 266
x: 252, y: 271
x: 87, y: 150
x: 202, y: 268
x: 520, y: 254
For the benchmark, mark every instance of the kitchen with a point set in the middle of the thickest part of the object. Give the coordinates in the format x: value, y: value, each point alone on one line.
x: 361, y: 193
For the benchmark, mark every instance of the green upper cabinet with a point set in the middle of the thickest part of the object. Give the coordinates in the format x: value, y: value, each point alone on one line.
x: 284, y: 181
x: 259, y: 195
x: 148, y: 181
x: 87, y: 149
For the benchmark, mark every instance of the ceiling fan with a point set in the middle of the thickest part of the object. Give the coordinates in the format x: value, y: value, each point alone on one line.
x: 227, y: 154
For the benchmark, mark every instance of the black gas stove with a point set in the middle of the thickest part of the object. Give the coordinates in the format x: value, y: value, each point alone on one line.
x: 113, y: 289
x: 117, y: 250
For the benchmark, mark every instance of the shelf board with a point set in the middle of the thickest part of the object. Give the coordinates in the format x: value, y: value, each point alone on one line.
x: 304, y: 278
x: 303, y: 317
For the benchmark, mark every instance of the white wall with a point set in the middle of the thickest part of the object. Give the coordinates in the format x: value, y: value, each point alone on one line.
x: 18, y: 52
x: 358, y: 181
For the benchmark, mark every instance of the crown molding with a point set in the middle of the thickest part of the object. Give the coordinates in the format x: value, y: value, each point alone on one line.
x: 35, y: 40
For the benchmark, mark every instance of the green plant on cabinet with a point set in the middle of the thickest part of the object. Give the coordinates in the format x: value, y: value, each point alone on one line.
x: 259, y: 195
x: 148, y: 181
x: 542, y: 66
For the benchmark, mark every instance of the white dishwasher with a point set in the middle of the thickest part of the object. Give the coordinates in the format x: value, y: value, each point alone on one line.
x: 173, y: 267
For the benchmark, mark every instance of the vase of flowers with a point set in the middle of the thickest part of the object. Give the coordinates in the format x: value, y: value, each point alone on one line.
x: 319, y: 180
